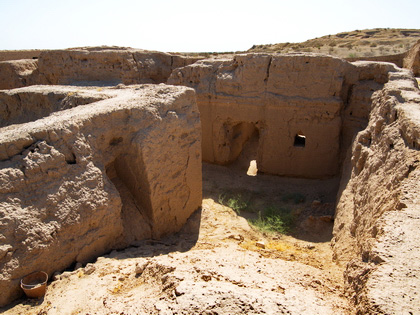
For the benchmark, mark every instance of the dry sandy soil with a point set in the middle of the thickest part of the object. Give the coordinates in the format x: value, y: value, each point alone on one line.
x: 354, y: 44
x: 358, y: 43
x: 218, y: 264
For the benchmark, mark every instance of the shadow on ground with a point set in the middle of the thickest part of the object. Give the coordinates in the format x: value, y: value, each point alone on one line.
x: 310, y: 202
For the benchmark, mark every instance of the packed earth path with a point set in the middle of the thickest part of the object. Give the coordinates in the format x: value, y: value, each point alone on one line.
x: 217, y: 264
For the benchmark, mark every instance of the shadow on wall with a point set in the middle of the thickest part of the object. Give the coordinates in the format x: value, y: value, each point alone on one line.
x: 182, y: 241
x: 240, y: 146
x: 136, y: 220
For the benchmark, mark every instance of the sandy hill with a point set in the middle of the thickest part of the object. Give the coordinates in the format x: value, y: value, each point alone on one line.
x: 358, y: 43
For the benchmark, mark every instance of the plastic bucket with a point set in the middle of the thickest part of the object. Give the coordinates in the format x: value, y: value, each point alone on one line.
x: 35, y: 284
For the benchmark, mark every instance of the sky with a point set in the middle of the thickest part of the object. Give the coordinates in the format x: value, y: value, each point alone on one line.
x: 191, y: 25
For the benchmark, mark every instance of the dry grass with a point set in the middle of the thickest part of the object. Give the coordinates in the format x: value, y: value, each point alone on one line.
x: 359, y: 43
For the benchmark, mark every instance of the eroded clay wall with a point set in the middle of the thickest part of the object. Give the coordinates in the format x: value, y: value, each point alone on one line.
x: 297, y: 115
x: 367, y: 114
x: 91, y: 66
x: 412, y: 59
x: 23, y: 105
x: 18, y: 73
x: 395, y: 59
x: 19, y: 54
x: 295, y: 103
x: 377, y: 216
x: 284, y: 97
x: 95, y: 177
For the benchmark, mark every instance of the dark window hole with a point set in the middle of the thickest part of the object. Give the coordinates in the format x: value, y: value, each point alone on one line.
x: 300, y: 140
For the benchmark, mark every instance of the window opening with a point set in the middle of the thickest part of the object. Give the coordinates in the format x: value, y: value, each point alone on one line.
x: 300, y: 140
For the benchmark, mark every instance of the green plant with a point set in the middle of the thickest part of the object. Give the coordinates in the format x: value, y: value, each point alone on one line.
x: 236, y: 202
x: 295, y: 197
x: 273, y: 220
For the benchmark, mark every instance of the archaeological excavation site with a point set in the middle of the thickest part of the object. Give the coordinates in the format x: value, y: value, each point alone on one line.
x: 115, y: 164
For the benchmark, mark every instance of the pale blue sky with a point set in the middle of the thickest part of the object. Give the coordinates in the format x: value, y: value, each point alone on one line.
x: 188, y: 25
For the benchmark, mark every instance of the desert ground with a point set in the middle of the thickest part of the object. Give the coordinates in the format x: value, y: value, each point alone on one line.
x: 218, y: 263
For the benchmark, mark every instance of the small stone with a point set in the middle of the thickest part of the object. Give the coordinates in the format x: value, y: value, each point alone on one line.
x: 178, y: 291
x: 140, y: 266
x: 90, y: 268
x: 238, y: 238
x: 4, y: 249
x: 260, y: 244
x: 206, y: 277
x: 56, y: 276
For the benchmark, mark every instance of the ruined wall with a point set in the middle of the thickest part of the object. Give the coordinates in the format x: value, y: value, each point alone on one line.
x: 377, y: 216
x: 92, y: 66
x: 17, y: 73
x: 395, y: 59
x: 303, y: 109
x: 297, y: 115
x: 6, y: 55
x: 364, y: 114
x: 95, y: 177
x: 19, y: 106
x: 285, y: 98
x: 365, y: 79
x: 412, y: 59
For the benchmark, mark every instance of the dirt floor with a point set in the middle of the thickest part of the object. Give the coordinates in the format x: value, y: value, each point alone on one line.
x: 218, y: 263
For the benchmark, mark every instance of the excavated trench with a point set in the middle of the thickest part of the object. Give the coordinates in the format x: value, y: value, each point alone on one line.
x: 310, y: 200
x: 319, y: 118
x: 298, y: 134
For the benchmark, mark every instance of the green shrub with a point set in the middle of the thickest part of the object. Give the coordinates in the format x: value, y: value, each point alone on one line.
x: 236, y: 202
x: 274, y: 220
